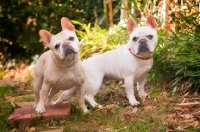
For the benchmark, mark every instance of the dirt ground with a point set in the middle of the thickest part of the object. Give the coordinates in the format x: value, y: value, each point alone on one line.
x: 180, y: 112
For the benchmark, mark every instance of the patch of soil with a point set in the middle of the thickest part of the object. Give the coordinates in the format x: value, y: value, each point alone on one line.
x: 164, y: 106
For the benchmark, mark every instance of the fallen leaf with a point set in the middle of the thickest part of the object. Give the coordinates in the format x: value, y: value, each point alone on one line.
x: 110, y: 107
x: 32, y: 129
x: 169, y: 130
x: 182, y: 109
x: 198, y: 117
x: 104, y: 111
x: 149, y: 107
x: 134, y: 110
x: 187, y: 116
x: 195, y: 124
x: 182, y: 128
x: 189, y: 120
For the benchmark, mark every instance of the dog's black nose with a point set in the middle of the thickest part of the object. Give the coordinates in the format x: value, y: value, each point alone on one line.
x: 142, y: 41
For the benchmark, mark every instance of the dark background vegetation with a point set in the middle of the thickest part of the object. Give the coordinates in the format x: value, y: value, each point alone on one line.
x: 176, y: 60
x: 21, y: 21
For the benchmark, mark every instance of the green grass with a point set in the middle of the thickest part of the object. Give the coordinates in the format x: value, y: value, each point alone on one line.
x: 150, y: 116
x: 6, y: 89
x: 6, y: 108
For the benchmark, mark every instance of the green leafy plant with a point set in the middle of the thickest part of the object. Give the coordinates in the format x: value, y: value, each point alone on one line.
x: 97, y: 40
x: 6, y: 108
x: 178, y: 53
x: 1, y: 73
x: 6, y: 89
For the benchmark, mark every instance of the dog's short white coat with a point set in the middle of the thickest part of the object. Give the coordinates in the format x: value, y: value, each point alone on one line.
x: 58, y: 68
x: 119, y: 64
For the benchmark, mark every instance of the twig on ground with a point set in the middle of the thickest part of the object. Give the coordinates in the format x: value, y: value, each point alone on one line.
x: 189, y: 104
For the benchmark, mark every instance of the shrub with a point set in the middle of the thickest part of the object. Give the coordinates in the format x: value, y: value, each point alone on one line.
x: 97, y: 40
x: 178, y: 53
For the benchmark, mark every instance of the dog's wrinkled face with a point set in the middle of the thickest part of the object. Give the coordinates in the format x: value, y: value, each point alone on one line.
x: 64, y: 45
x: 143, y: 40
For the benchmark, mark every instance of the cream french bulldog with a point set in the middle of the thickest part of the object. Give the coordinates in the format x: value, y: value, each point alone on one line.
x: 59, y: 68
x: 129, y: 63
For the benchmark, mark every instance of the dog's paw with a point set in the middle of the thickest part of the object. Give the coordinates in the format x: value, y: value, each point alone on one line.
x: 143, y: 94
x: 132, y: 100
x: 98, y: 106
x: 134, y: 103
x: 85, y: 111
x: 40, y: 109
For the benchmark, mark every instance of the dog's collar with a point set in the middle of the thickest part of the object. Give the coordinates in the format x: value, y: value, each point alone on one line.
x: 142, y: 58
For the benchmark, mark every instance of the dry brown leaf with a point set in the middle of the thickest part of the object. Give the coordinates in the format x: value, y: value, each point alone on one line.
x: 187, y: 116
x: 182, y: 128
x: 169, y: 130
x: 104, y: 111
x: 150, y: 107
x: 197, y: 116
x: 182, y: 109
x: 32, y: 129
x: 195, y: 124
x: 189, y: 120
x: 110, y: 107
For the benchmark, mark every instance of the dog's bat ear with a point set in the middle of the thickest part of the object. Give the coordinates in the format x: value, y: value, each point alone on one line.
x: 66, y: 24
x: 151, y: 21
x: 130, y: 25
x: 45, y: 36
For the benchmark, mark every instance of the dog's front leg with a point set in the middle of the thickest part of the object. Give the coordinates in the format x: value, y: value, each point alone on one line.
x: 130, y: 91
x: 43, y: 97
x: 140, y: 88
x: 37, y: 85
x: 80, y: 91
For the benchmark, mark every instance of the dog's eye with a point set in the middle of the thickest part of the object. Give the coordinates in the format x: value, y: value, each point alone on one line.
x: 71, y: 38
x: 57, y: 46
x: 135, y: 39
x: 150, y: 37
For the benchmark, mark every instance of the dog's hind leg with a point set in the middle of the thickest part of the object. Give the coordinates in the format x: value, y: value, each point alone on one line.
x: 52, y: 92
x: 66, y: 95
x: 93, y: 103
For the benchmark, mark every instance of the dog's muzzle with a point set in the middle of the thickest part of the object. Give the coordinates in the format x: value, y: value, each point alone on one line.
x: 143, y: 46
x: 68, y: 49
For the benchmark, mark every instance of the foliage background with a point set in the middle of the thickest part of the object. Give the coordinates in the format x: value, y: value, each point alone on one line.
x: 21, y: 21
x: 176, y: 59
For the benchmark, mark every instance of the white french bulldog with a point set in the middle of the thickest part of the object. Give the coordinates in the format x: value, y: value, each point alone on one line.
x: 59, y: 68
x: 129, y: 63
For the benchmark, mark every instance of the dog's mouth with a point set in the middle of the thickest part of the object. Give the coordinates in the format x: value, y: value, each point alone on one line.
x: 69, y: 50
x: 143, y: 48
